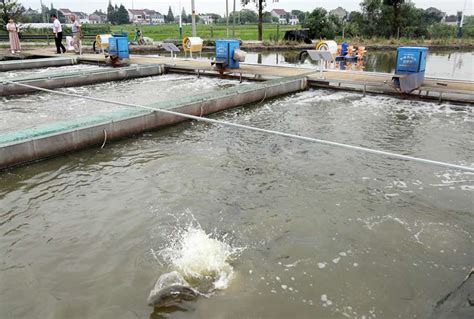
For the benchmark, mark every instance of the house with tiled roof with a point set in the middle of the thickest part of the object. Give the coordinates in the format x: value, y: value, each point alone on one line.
x: 154, y: 17
x: 137, y: 16
x: 82, y: 17
x: 145, y: 16
x: 98, y: 17
x: 67, y: 14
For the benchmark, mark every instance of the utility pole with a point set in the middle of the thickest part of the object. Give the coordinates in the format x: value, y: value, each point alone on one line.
x: 461, y: 22
x: 227, y: 16
x: 233, y: 20
x: 193, y: 8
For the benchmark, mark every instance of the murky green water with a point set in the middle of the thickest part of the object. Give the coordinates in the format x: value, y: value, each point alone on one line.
x: 327, y: 233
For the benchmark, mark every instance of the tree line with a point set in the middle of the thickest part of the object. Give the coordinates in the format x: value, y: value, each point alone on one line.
x: 117, y: 15
x: 383, y: 18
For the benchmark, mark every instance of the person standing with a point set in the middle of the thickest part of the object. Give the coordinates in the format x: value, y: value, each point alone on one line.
x: 76, y: 35
x: 12, y: 29
x: 58, y: 34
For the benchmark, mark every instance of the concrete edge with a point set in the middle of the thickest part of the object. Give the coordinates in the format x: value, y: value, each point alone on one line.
x: 54, y: 143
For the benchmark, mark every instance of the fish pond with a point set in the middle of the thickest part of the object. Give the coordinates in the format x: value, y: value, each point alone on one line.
x: 267, y: 227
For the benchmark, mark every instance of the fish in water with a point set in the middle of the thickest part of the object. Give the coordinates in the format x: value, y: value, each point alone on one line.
x: 170, y: 290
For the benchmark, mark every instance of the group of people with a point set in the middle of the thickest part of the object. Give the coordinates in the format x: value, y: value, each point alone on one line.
x: 76, y: 28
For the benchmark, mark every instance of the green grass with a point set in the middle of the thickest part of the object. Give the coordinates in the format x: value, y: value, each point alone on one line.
x: 171, y: 31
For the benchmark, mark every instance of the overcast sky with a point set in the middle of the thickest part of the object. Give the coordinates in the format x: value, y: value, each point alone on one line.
x: 218, y: 6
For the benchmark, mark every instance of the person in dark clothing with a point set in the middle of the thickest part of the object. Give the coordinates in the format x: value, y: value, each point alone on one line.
x: 58, y: 34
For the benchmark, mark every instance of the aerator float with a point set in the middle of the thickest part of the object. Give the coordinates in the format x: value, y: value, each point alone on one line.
x: 341, y: 53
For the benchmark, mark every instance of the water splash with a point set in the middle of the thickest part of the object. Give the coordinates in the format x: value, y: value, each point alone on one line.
x: 203, y: 259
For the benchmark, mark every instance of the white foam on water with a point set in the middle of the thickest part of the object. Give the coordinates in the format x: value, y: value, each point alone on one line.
x: 317, y: 96
x: 201, y: 257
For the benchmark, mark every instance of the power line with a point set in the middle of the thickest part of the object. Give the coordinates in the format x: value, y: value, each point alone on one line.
x: 261, y: 130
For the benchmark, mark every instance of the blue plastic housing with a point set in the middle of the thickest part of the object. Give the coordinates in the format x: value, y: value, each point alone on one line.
x: 118, y: 46
x: 225, y: 52
x: 411, y: 60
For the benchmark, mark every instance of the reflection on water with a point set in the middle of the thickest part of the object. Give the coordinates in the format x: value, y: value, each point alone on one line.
x: 443, y: 64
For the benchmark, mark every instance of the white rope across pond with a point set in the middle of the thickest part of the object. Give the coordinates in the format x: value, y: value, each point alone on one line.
x: 261, y: 130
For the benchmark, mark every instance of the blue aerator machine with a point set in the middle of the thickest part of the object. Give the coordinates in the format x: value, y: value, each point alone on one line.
x: 228, y: 54
x: 118, y: 48
x: 410, y: 70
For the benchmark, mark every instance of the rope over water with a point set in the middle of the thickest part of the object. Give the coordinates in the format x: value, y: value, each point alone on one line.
x: 256, y: 129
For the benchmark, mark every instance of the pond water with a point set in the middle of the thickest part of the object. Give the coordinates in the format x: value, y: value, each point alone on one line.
x: 443, y: 64
x: 32, y: 110
x: 306, y: 231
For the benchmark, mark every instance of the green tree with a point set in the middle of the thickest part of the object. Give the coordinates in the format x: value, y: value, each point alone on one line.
x: 320, y: 25
x: 396, y: 5
x: 260, y: 5
x: 469, y: 21
x: 355, y: 25
x: 184, y: 16
x: 169, y: 18
x: 110, y: 13
x: 245, y: 16
x: 33, y: 18
x: 371, y: 11
x: 55, y: 11
x: 267, y: 17
x: 10, y: 9
x: 121, y: 15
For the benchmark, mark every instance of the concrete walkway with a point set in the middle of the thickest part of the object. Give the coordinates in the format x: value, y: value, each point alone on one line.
x: 438, y: 89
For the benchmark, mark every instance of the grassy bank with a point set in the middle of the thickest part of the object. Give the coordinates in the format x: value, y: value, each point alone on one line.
x: 171, y: 31
x: 409, y: 41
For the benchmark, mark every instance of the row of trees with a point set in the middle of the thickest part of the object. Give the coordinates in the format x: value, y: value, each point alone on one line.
x: 10, y: 9
x: 381, y: 18
x: 13, y: 9
x: 117, y: 15
x: 377, y: 18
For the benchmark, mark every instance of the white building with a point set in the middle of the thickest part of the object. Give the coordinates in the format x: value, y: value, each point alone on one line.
x: 280, y: 14
x: 67, y: 14
x: 97, y: 18
x: 206, y: 19
x: 285, y: 17
x: 294, y: 20
x: 145, y: 16
x: 137, y: 16
x: 82, y: 17
x: 154, y: 17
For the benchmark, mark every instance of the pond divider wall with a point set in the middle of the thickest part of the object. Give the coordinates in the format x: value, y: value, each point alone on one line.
x: 39, y: 143
x: 12, y: 65
x: 78, y: 78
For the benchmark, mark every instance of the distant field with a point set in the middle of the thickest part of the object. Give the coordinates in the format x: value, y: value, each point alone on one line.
x: 171, y: 31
